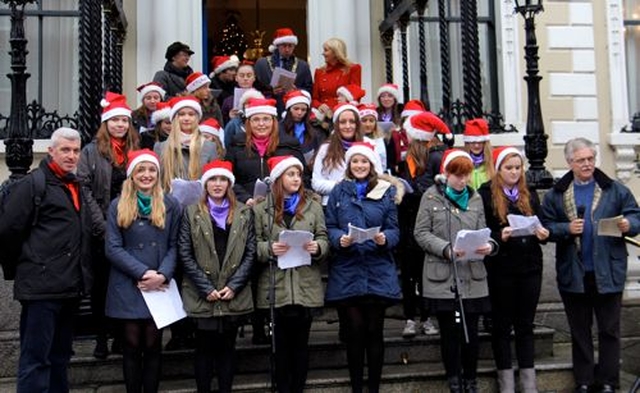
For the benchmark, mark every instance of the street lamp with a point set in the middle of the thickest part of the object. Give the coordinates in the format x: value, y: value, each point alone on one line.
x: 535, y: 140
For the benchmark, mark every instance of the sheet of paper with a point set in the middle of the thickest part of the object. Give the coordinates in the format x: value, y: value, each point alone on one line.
x: 609, y: 226
x: 237, y: 93
x: 165, y: 306
x: 282, y: 78
x: 387, y: 126
x: 523, y: 225
x: 361, y: 235
x: 187, y: 192
x: 260, y: 189
x: 296, y: 255
x: 469, y: 241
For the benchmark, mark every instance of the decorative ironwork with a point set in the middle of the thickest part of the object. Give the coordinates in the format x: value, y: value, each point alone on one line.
x: 404, y: 23
x: 470, y: 57
x: 40, y: 123
x: 421, y: 6
x: 535, y: 140
x: 445, y: 58
x: 107, y: 47
x: 90, y: 68
x: 387, y: 42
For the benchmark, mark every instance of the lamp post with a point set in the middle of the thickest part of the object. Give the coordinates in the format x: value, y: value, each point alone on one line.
x: 535, y: 140
x: 18, y: 144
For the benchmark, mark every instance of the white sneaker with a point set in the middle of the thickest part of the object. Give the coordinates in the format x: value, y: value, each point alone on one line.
x: 428, y: 328
x: 409, y: 330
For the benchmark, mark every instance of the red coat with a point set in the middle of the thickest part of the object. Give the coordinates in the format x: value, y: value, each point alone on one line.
x: 327, y: 80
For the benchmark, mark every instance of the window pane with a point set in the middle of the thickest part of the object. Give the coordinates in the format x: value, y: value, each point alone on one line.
x: 59, y: 5
x: 5, y: 62
x: 632, y: 44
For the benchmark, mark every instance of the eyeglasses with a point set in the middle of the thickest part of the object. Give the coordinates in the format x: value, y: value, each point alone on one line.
x: 585, y: 160
x: 263, y: 120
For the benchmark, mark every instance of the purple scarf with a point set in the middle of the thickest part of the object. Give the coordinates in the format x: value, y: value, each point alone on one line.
x: 219, y: 213
x: 346, y: 144
x: 512, y: 194
x: 477, y: 159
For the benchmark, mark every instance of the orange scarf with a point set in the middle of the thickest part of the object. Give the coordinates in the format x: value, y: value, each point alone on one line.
x: 117, y: 147
x: 69, y: 181
x: 412, y: 166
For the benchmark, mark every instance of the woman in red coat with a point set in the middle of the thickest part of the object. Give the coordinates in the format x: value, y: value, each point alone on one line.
x: 337, y: 71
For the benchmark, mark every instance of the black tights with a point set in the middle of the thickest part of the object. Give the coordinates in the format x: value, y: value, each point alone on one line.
x: 215, y: 348
x: 141, y: 355
x: 455, y: 352
x: 292, y: 327
x: 364, y: 324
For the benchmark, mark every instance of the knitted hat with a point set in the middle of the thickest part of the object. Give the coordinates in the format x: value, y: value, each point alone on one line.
x: 413, y: 107
x: 297, y: 97
x: 338, y: 109
x: 450, y: 155
x: 221, y: 63
x: 247, y: 95
x: 283, y: 36
x: 163, y: 111
x: 500, y: 153
x: 351, y: 93
x: 135, y: 157
x: 176, y: 48
x: 260, y: 105
x: 147, y: 88
x: 391, y: 89
x: 366, y: 149
x: 476, y: 130
x: 279, y: 164
x: 423, y: 127
x: 217, y: 168
x: 114, y: 104
x: 212, y: 127
x: 368, y: 110
x: 196, y: 80
x: 178, y: 103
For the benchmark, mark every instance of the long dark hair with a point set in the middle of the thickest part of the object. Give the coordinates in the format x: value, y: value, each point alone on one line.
x: 288, y: 126
x: 335, y: 150
x: 278, y: 200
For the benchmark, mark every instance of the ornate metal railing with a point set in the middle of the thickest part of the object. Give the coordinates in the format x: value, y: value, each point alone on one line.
x: 40, y: 123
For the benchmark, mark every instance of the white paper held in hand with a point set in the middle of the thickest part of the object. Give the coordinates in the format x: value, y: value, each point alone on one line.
x: 165, y: 306
x: 469, y: 241
x: 296, y: 255
x: 523, y: 225
x: 361, y: 235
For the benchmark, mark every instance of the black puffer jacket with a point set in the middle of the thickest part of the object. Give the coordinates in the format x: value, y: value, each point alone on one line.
x: 55, y: 262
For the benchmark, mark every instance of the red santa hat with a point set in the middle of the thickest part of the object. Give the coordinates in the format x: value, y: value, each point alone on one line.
x: 196, y: 80
x: 279, y: 164
x: 476, y: 130
x: 147, y: 88
x: 135, y: 157
x: 212, y: 127
x: 368, y: 110
x: 338, y: 109
x: 412, y: 107
x: 450, y: 155
x: 297, y: 97
x: 283, y: 36
x: 260, y: 105
x: 163, y: 111
x: 217, y: 168
x: 178, y: 103
x: 114, y: 104
x: 390, y: 88
x: 221, y: 63
x: 502, y: 152
x: 353, y: 93
x: 366, y: 149
x: 423, y: 127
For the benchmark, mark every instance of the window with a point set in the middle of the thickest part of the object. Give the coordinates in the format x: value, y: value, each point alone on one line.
x: 632, y: 46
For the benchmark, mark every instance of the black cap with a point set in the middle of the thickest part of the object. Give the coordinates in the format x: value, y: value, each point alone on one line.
x: 176, y: 48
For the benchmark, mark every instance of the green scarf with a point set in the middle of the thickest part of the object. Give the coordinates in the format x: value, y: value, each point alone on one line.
x: 460, y: 198
x: 144, y: 204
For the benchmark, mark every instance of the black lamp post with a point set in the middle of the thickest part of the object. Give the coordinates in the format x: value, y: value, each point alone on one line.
x: 535, y: 140
x: 18, y: 144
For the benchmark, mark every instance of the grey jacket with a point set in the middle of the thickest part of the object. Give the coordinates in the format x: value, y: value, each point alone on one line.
x: 437, y: 224
x: 94, y: 173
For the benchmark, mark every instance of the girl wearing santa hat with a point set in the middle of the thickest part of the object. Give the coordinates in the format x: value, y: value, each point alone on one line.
x: 362, y: 279
x: 371, y: 129
x: 102, y: 170
x: 446, y: 208
x: 515, y: 273
x: 217, y: 247
x: 245, y: 79
x: 161, y: 120
x: 150, y: 95
x: 296, y: 123
x: 389, y: 107
x: 299, y: 292
x: 477, y: 143
x: 141, y: 245
x: 198, y: 86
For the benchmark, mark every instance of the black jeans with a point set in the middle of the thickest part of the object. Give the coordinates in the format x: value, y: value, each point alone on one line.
x: 215, y: 348
x: 580, y: 308
x: 456, y: 354
x: 292, y: 327
x: 514, y: 299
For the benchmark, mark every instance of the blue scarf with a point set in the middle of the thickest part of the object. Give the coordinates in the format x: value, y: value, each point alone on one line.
x: 512, y: 194
x: 477, y: 159
x: 219, y: 213
x: 298, y: 130
x: 291, y: 203
x: 361, y: 189
x: 144, y: 204
x: 346, y: 144
x: 460, y: 198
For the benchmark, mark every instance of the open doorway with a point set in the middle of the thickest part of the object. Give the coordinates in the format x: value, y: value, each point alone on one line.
x: 245, y: 27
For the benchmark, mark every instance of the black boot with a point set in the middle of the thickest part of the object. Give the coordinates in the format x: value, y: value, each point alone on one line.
x: 470, y: 386
x: 454, y: 385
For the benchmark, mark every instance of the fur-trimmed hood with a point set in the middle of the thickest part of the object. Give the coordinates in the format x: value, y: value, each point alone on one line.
x: 400, y: 190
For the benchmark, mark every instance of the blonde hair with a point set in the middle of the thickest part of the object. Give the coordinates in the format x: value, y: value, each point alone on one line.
x: 339, y: 49
x: 173, y: 159
x: 128, y: 205
x: 487, y: 150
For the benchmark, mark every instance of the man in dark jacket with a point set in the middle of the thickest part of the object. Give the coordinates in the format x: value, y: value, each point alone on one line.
x: 176, y: 69
x: 590, y: 267
x: 53, y: 271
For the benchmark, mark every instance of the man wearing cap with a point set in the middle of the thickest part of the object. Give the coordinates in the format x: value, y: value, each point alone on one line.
x: 176, y: 69
x: 54, y: 269
x: 223, y: 77
x: 282, y: 56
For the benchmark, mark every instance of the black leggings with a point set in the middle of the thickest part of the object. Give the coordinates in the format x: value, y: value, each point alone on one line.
x: 292, y: 327
x: 141, y: 355
x: 364, y: 324
x: 215, y: 348
x: 455, y: 352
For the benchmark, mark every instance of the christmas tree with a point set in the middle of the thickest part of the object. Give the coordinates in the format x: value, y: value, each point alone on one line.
x: 232, y: 38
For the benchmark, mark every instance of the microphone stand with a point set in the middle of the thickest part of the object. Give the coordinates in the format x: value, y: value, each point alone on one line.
x: 272, y: 289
